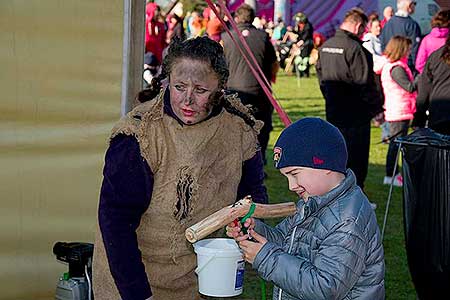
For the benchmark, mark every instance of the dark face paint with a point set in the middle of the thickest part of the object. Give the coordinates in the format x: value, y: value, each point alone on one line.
x: 192, y: 82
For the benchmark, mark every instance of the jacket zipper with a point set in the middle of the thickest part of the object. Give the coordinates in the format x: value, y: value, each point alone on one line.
x: 289, y: 252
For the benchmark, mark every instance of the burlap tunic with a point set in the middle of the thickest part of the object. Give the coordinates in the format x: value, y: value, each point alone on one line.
x: 197, y: 170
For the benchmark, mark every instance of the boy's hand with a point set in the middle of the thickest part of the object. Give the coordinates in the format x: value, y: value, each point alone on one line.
x: 250, y: 248
x: 249, y: 224
x: 234, y: 229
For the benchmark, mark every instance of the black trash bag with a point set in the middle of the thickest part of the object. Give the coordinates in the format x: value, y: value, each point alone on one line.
x: 426, y: 209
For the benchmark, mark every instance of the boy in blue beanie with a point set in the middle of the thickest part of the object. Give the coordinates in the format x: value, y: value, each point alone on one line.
x: 331, y: 248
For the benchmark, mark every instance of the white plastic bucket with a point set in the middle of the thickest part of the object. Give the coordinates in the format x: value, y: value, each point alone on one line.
x: 220, y: 267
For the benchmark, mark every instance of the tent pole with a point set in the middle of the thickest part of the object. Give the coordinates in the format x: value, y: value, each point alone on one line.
x: 390, y: 190
x: 133, y: 52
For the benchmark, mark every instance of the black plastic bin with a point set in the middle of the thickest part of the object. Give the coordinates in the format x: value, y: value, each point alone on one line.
x: 426, y: 209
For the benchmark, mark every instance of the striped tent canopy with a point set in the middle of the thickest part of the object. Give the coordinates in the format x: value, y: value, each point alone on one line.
x: 324, y: 15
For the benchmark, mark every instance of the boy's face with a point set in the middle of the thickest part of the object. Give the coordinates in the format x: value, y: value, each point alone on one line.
x: 306, y: 181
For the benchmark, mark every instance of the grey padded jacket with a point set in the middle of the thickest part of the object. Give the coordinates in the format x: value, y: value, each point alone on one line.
x: 330, y: 249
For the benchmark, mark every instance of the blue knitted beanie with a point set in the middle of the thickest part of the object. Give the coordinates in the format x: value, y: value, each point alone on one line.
x: 313, y: 143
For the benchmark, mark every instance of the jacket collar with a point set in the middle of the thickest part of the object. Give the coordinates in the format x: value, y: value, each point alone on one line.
x: 345, y: 33
x: 242, y: 26
x: 402, y: 13
x: 439, y: 32
x: 316, y: 203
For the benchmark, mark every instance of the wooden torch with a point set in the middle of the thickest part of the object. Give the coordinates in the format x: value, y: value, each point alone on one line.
x: 230, y: 213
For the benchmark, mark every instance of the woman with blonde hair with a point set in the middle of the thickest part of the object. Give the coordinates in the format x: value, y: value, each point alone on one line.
x: 400, y: 94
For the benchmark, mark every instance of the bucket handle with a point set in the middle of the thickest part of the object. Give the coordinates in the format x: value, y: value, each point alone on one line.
x: 200, y: 268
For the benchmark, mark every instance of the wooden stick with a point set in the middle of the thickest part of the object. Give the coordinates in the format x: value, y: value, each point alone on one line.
x: 229, y: 213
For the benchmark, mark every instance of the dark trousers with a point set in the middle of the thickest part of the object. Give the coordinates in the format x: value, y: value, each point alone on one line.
x: 357, y: 140
x: 396, y: 129
x: 262, y: 110
x: 264, y: 133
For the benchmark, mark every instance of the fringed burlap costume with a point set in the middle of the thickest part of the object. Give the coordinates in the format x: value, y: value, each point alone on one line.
x: 197, y: 170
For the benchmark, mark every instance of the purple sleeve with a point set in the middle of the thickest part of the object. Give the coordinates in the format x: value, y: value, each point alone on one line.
x: 125, y: 195
x: 252, y: 180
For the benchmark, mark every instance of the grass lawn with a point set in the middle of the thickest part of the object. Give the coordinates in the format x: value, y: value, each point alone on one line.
x: 303, y: 98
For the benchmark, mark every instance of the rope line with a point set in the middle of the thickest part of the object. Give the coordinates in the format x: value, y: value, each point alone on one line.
x: 255, y: 69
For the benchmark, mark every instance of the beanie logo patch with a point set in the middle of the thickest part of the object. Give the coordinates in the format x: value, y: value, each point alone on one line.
x: 276, y: 155
x: 317, y: 161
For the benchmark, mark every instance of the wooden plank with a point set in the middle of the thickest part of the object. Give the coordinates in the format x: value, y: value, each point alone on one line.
x: 229, y: 213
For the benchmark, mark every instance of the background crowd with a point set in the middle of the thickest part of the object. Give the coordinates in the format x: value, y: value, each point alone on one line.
x: 400, y: 78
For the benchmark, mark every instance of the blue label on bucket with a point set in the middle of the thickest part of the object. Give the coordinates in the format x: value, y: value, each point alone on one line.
x: 240, y: 275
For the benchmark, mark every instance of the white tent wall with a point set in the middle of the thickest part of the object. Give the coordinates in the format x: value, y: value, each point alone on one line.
x: 60, y: 82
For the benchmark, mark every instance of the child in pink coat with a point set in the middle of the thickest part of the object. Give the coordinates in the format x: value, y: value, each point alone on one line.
x: 400, y: 94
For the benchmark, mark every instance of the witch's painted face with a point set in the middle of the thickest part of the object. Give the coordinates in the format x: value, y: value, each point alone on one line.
x: 191, y: 84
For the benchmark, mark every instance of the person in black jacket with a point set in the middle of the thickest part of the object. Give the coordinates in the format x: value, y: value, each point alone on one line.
x: 434, y: 92
x: 303, y: 43
x: 346, y: 78
x: 241, y: 78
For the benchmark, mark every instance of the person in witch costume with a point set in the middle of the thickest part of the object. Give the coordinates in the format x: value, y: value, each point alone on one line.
x: 187, y: 151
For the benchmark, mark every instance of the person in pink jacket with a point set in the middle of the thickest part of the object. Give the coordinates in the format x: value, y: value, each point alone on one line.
x: 435, y: 39
x: 155, y: 32
x: 400, y: 94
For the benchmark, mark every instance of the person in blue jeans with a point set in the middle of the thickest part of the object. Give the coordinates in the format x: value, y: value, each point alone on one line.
x: 331, y: 248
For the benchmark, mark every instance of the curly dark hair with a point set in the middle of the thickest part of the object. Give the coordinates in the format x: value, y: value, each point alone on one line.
x: 202, y: 49
x: 199, y: 48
